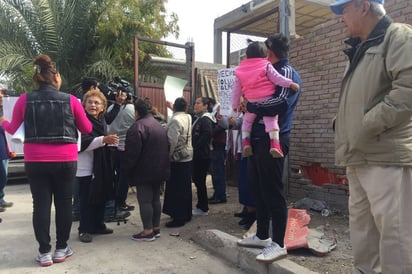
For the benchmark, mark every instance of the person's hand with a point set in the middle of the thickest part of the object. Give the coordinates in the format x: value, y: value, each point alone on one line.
x: 232, y: 121
x: 169, y: 105
x: 2, y: 119
x: 111, y: 139
x: 121, y: 97
x: 294, y: 86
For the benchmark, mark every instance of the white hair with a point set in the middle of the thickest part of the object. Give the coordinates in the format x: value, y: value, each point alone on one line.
x: 376, y: 8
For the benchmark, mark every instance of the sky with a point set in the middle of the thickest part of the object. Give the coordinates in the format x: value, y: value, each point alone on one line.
x: 196, y: 19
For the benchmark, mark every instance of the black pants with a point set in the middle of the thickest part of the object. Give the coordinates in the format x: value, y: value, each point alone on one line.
x: 91, y: 216
x: 265, y: 179
x: 51, y: 180
x: 200, y: 168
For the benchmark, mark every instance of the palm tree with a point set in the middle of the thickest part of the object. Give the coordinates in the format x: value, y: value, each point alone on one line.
x: 63, y: 29
x: 84, y: 37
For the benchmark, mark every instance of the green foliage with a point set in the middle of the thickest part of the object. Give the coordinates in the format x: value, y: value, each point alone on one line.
x: 123, y: 20
x: 84, y: 37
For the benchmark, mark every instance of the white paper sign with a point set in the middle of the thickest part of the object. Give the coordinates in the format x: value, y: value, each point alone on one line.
x: 18, y: 136
x: 8, y: 105
x: 173, y: 88
x: 225, y: 80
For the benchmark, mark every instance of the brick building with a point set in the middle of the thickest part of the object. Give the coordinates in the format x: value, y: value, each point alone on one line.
x: 320, y: 61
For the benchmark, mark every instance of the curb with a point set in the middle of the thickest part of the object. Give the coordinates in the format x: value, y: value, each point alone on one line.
x: 223, y: 245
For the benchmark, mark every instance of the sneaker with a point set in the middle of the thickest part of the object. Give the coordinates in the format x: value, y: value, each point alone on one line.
x: 247, y: 148
x: 85, y: 238
x: 254, y: 241
x: 44, y: 259
x: 275, y: 149
x: 125, y: 207
x: 199, y: 212
x: 6, y: 204
x: 140, y: 237
x: 156, y: 233
x: 272, y: 253
x: 120, y: 216
x: 60, y: 255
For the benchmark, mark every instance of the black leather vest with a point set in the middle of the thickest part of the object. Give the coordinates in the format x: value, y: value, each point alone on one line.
x: 49, y: 117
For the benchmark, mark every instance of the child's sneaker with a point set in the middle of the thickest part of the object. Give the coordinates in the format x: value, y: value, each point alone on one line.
x: 247, y: 148
x: 275, y: 149
x: 44, y: 259
x: 60, y: 255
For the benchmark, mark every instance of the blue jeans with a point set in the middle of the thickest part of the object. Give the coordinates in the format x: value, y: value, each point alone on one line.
x: 218, y: 172
x: 245, y: 194
x: 3, y: 178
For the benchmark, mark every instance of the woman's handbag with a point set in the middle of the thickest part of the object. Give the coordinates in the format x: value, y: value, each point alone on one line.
x: 180, y: 153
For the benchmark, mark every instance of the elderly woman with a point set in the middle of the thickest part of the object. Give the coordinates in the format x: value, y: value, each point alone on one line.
x: 51, y: 120
x: 94, y: 171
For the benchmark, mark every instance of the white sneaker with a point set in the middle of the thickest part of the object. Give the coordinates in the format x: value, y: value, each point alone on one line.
x: 60, y: 255
x: 254, y: 241
x: 272, y: 253
x: 44, y: 259
x: 199, y: 212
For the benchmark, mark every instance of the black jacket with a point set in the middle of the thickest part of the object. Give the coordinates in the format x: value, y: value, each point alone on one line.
x: 202, y: 130
x: 147, y: 152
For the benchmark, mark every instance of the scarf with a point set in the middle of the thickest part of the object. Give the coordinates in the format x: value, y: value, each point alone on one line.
x: 101, y: 188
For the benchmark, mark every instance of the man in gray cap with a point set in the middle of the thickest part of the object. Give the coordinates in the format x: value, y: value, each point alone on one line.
x: 374, y: 136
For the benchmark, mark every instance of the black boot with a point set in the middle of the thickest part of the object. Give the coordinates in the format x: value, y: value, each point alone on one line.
x: 248, y: 219
x: 241, y: 214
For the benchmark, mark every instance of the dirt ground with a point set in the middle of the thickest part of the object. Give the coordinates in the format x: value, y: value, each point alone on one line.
x: 183, y: 255
x: 338, y: 261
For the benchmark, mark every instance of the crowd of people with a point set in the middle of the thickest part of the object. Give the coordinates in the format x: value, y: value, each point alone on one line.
x: 373, y: 127
x: 115, y: 140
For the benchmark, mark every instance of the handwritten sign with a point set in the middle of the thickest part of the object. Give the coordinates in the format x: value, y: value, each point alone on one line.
x: 225, y: 80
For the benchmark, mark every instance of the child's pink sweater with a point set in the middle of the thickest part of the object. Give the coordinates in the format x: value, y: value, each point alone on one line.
x: 256, y: 80
x: 49, y: 152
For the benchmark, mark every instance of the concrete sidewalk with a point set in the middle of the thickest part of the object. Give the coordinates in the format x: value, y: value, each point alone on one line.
x: 207, y: 251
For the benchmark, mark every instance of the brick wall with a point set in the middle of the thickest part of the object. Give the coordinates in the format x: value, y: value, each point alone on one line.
x: 319, y: 59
